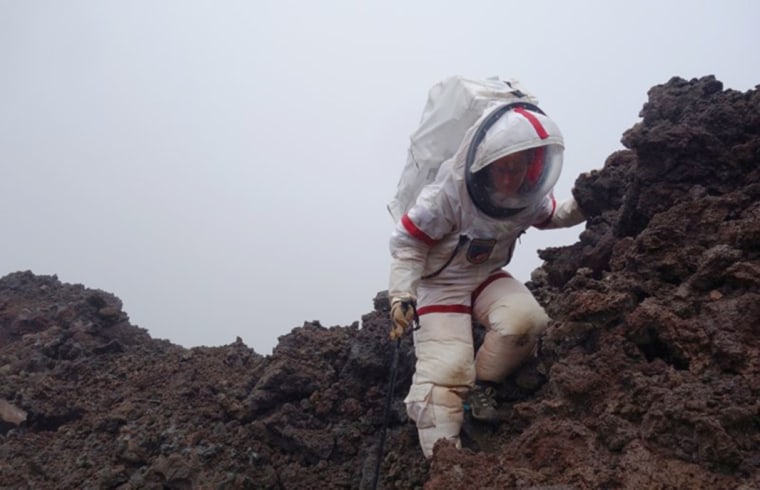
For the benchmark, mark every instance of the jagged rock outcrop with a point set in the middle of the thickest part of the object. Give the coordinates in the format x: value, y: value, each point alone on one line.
x: 648, y: 377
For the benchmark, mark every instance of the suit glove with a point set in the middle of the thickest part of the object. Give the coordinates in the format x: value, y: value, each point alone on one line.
x: 403, y: 313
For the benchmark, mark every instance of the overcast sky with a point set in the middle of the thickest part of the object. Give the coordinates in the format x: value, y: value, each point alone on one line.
x: 223, y: 167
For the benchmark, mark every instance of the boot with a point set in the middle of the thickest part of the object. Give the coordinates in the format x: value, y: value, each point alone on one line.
x: 482, y: 403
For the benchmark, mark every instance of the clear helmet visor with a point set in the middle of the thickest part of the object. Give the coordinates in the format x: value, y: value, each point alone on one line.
x: 515, y: 181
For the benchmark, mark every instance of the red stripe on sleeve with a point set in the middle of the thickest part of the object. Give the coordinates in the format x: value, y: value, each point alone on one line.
x: 534, y: 121
x: 549, y: 219
x: 412, y: 229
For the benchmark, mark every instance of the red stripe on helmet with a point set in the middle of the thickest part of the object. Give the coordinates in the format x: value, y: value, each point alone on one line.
x: 534, y: 122
x: 412, y: 229
x: 423, y: 310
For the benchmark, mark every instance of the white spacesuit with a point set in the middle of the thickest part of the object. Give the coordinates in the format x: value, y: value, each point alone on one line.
x: 448, y: 252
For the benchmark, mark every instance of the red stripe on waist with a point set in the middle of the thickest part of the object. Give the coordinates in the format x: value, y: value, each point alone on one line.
x: 488, y: 281
x: 422, y: 310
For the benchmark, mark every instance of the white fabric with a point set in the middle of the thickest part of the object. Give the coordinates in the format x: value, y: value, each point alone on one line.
x: 444, y: 373
x: 453, y: 106
x: 513, y: 132
x: 507, y: 307
x: 438, y: 414
x: 443, y: 347
x: 566, y: 215
x: 514, y: 320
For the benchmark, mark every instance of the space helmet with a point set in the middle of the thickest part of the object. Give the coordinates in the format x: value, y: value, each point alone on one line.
x: 519, y: 139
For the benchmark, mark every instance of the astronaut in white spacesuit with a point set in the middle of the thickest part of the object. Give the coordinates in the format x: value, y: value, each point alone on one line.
x: 448, y: 252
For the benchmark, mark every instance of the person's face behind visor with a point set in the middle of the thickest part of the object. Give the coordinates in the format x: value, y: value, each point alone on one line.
x: 507, y: 174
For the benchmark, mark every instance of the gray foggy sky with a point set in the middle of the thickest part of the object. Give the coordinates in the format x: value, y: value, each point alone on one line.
x: 223, y: 166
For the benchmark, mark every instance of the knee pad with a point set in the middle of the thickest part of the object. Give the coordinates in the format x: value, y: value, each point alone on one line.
x: 518, y: 315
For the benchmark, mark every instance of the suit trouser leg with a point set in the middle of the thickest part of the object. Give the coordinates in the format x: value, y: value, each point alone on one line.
x: 513, y: 320
x: 444, y: 372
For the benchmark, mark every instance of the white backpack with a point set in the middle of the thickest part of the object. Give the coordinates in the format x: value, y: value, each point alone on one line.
x: 453, y: 106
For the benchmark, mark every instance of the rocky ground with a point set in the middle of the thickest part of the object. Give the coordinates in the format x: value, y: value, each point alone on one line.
x: 648, y: 377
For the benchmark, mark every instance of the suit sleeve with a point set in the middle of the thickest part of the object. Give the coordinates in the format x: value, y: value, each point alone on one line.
x: 427, y: 222
x: 562, y: 215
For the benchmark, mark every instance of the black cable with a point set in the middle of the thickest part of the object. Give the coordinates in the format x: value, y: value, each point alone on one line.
x: 386, y: 412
